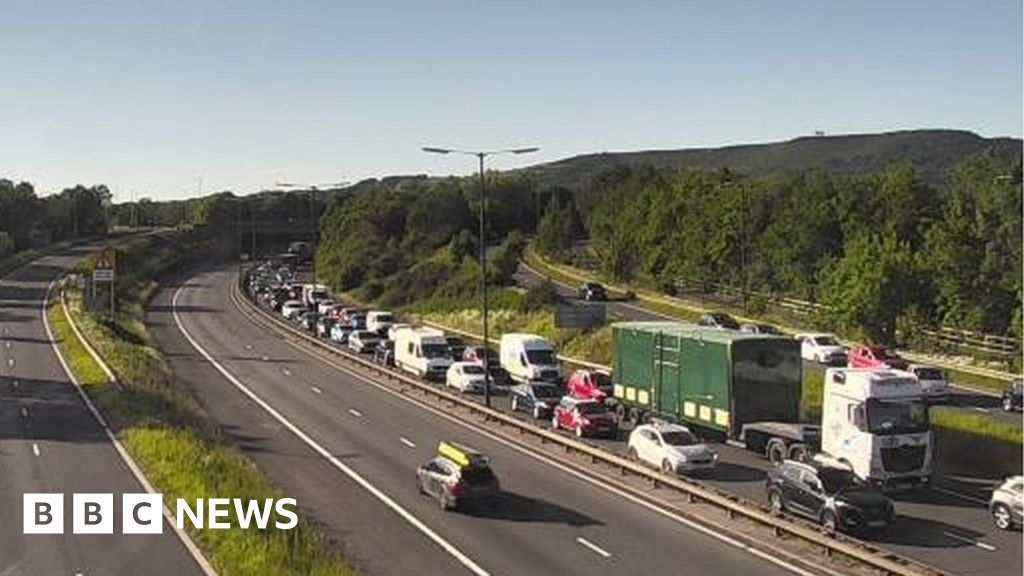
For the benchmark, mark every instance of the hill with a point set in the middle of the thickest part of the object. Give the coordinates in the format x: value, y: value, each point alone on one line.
x: 933, y: 152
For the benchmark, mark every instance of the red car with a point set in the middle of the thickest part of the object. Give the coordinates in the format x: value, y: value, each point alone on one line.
x: 584, y: 418
x: 861, y: 356
x: 589, y: 385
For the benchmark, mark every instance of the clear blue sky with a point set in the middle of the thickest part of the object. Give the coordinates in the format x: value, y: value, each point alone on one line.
x: 149, y: 96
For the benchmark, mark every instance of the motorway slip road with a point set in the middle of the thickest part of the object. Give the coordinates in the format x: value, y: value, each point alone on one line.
x: 550, y: 522
x: 50, y: 442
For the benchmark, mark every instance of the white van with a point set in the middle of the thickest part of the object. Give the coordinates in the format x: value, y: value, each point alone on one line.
x: 529, y: 357
x: 422, y: 352
x: 379, y: 321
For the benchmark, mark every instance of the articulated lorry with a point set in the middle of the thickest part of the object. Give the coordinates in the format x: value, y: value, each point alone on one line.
x: 746, y: 388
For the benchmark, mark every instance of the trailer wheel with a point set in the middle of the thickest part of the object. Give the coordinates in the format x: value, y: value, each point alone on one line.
x: 620, y: 412
x: 775, y: 451
x: 799, y: 452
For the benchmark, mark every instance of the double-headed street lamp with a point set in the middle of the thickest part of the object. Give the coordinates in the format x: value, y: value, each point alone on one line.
x: 312, y: 206
x: 483, y: 242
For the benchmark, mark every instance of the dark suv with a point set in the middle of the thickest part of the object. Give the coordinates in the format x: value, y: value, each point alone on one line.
x: 1012, y: 396
x: 593, y: 291
x: 832, y: 496
x: 719, y: 320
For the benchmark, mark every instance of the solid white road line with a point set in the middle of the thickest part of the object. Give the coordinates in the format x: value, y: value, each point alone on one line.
x: 594, y: 547
x: 407, y: 442
x: 35, y: 449
x: 447, y: 546
x: 316, y: 390
x: 956, y: 494
x: 980, y: 409
x: 967, y: 540
x: 355, y: 412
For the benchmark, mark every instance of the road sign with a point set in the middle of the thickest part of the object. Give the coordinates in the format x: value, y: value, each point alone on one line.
x: 102, y: 275
x: 106, y: 260
x: 582, y: 316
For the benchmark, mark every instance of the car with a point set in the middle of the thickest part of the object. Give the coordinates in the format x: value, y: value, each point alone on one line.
x: 384, y: 353
x: 1006, y: 503
x: 357, y: 320
x: 759, y: 328
x: 584, y: 418
x: 394, y: 328
x: 459, y: 477
x: 933, y: 381
x: 292, y: 308
x: 719, y: 320
x: 476, y: 354
x: 537, y: 397
x: 308, y: 320
x: 670, y: 447
x: 592, y: 291
x: 340, y: 332
x: 831, y: 495
x: 362, y: 341
x: 873, y: 356
x: 466, y: 377
x: 379, y: 321
x: 343, y: 313
x: 325, y: 306
x: 456, y: 346
x: 1013, y: 397
x: 323, y: 326
x: 822, y: 348
x: 501, y: 380
x: 589, y: 385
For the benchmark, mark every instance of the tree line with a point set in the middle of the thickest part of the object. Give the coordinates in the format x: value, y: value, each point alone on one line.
x: 28, y: 220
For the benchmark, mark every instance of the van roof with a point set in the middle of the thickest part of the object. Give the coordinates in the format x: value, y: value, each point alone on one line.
x: 694, y: 331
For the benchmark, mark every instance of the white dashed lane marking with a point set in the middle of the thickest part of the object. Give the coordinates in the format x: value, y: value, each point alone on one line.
x: 355, y: 412
x: 593, y: 547
x: 316, y: 390
x: 407, y: 442
x: 24, y: 412
x: 981, y: 545
x: 35, y: 449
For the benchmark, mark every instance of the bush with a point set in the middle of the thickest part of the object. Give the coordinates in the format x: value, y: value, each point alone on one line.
x: 541, y: 295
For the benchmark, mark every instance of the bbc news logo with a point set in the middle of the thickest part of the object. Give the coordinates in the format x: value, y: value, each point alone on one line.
x: 143, y: 513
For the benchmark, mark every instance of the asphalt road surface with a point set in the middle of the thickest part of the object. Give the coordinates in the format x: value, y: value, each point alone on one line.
x: 50, y: 443
x: 549, y: 522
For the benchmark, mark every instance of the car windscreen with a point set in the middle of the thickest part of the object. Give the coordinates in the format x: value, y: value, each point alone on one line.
x: 546, y: 392
x: 435, y: 350
x: 726, y: 321
x: 825, y: 341
x: 896, y: 417
x: 541, y: 357
x: 679, y: 438
x: 591, y: 408
x: 477, y: 475
x: 385, y: 318
x: 929, y: 373
x: 473, y: 369
x: 835, y: 479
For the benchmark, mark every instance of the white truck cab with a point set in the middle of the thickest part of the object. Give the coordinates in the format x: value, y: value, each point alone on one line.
x: 379, y: 321
x: 312, y: 294
x: 422, y: 352
x: 529, y: 357
x: 876, y: 422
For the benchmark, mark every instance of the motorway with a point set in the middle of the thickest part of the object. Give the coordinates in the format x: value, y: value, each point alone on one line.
x: 347, y: 450
x: 51, y: 443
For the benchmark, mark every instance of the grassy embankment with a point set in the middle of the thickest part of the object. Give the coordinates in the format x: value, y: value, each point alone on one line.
x: 166, y: 432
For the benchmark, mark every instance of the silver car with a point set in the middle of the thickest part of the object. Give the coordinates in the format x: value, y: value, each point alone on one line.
x: 1006, y: 503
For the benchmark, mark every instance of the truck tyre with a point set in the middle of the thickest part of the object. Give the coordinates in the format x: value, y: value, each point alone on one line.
x: 799, y: 452
x: 1002, y: 517
x: 829, y: 522
x: 666, y: 467
x: 775, y: 451
x: 620, y: 412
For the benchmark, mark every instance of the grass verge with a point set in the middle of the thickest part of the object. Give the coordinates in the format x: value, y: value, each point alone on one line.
x: 178, y: 449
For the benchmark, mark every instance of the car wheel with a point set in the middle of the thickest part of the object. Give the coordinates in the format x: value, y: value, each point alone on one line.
x: 443, y: 502
x: 798, y: 452
x: 632, y: 455
x: 554, y: 422
x: 666, y: 466
x: 1007, y: 404
x: 419, y: 486
x: 536, y: 412
x: 775, y: 451
x: 579, y: 431
x: 1002, y: 517
x: 775, y: 503
x: 514, y: 403
x: 829, y: 522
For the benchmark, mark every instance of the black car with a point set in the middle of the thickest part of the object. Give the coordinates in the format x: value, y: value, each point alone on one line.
x: 384, y: 353
x: 1012, y: 396
x: 458, y: 477
x: 456, y: 347
x: 832, y: 496
x: 500, y: 377
x: 593, y: 291
x: 537, y: 398
x: 308, y: 320
x: 719, y: 320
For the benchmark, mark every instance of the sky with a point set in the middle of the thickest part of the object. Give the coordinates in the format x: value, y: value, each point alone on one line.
x: 167, y: 99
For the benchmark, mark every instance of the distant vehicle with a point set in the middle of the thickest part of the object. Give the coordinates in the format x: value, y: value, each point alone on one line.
x: 384, y: 353
x: 340, y: 332
x: 394, y: 328
x: 456, y: 347
x: 589, y: 385
x: 862, y: 356
x: 757, y: 328
x: 822, y: 348
x: 379, y: 321
x: 1006, y: 503
x: 537, y: 398
x: 670, y: 447
x: 1013, y: 397
x: 422, y: 352
x: 458, y: 477
x: 361, y: 341
x: 584, y: 418
x: 476, y: 354
x: 592, y: 291
x: 345, y: 313
x: 357, y: 320
x: 933, y: 381
x: 832, y: 496
x: 529, y: 357
x: 323, y: 326
x: 719, y: 320
x: 312, y: 294
x: 466, y: 377
x: 325, y: 306
x: 291, y: 309
x: 308, y: 320
x: 501, y: 381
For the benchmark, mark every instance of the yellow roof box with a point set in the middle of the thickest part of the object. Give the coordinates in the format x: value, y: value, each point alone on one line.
x: 464, y: 456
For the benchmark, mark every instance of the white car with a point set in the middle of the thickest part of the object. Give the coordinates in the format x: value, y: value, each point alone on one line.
x: 822, y: 348
x: 933, y: 381
x: 394, y: 328
x: 466, y: 377
x: 292, y: 308
x: 670, y: 447
x: 362, y: 341
x: 324, y: 306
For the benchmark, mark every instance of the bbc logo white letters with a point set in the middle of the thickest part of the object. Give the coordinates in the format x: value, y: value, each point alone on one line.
x: 92, y: 514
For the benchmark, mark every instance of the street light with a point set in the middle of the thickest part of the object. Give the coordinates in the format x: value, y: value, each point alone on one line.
x: 480, y: 155
x: 312, y: 201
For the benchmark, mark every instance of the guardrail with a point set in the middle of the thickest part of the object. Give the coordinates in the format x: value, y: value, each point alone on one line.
x: 882, y: 561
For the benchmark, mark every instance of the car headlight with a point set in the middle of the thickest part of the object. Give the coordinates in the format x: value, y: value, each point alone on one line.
x: 681, y: 458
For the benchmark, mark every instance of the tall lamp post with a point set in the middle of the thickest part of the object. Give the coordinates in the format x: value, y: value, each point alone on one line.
x: 312, y: 206
x: 480, y: 155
